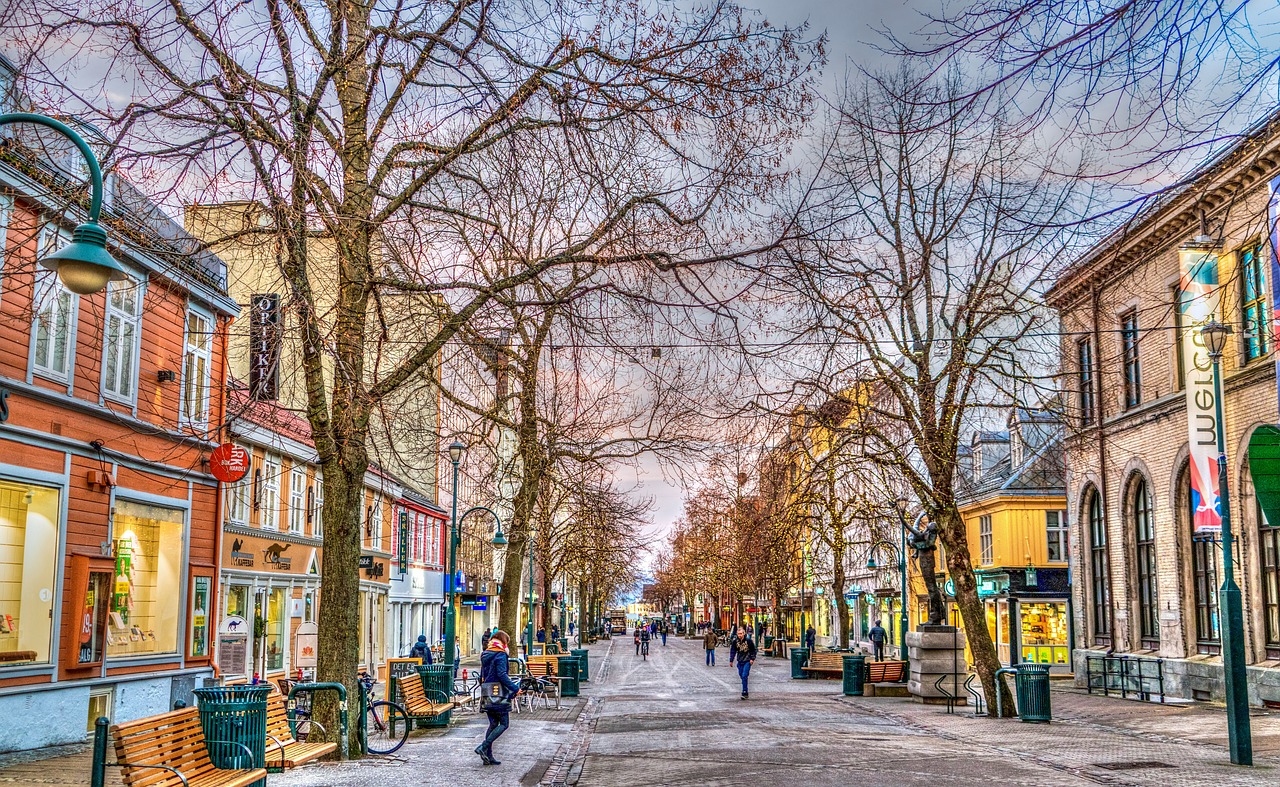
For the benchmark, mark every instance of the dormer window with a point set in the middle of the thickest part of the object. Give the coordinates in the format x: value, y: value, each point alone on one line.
x: 977, y: 462
x: 1015, y: 447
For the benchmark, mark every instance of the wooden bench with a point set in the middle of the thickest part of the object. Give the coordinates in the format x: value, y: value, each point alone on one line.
x: 168, y: 750
x: 826, y: 665
x: 543, y: 667
x: 283, y: 750
x: 416, y: 703
x: 886, y: 671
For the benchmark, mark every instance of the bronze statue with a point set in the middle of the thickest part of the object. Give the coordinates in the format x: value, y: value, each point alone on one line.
x: 924, y: 541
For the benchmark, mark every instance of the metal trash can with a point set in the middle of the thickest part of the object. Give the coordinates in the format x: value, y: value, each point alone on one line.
x: 567, y: 671
x: 1032, y: 683
x: 437, y: 680
x: 767, y: 641
x: 855, y: 673
x: 564, y: 644
x: 233, y: 719
x: 799, y: 658
x: 584, y: 668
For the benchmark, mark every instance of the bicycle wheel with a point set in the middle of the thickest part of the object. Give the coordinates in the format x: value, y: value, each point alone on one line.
x: 386, y: 727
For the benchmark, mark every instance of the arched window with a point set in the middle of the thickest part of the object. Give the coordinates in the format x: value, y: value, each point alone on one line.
x: 1099, y: 571
x: 1206, y: 559
x: 1144, y: 540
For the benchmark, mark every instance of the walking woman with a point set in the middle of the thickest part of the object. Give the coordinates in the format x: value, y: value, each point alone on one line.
x: 498, y: 690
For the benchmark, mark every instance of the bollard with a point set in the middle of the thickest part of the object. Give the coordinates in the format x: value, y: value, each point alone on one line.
x: 98, y: 778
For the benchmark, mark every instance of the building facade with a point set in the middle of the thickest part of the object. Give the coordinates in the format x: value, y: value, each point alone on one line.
x: 417, y: 583
x: 109, y: 408
x: 1147, y: 580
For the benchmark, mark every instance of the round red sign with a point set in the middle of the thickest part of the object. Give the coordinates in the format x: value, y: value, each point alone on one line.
x: 229, y: 463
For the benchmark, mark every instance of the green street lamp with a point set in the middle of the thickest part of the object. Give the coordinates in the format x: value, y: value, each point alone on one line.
x: 499, y: 542
x: 1239, y: 739
x: 900, y: 505
x: 84, y: 265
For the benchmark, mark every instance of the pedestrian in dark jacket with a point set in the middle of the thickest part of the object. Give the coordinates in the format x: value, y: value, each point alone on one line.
x: 637, y: 640
x: 421, y: 650
x: 744, y: 651
x: 810, y: 637
x: 484, y: 639
x: 494, y: 669
x: 542, y: 634
x: 878, y: 636
x: 709, y: 643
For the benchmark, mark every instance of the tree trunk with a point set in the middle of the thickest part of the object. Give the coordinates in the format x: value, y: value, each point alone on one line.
x: 512, y: 573
x: 985, y: 658
x: 838, y: 582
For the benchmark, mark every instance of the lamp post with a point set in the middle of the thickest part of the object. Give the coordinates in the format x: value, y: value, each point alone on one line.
x: 84, y: 265
x: 456, y: 450
x: 1239, y: 738
x: 528, y: 648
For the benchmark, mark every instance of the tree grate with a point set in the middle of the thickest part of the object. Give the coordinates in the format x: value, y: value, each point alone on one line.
x: 1131, y: 765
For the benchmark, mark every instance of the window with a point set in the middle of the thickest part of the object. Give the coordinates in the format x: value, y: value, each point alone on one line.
x: 1099, y: 572
x: 1270, y: 545
x: 6, y: 202
x: 1144, y: 540
x: 1205, y: 558
x: 1055, y: 528
x: 29, y: 527
x: 317, y: 526
x: 120, y: 339
x: 376, y: 527
x: 297, y: 498
x: 985, y: 538
x: 1015, y: 447
x: 1180, y: 383
x: 55, y: 315
x: 269, y: 516
x: 1129, y: 358
x: 238, y: 500
x: 145, y: 608
x: 1084, y: 361
x: 274, y: 645
x: 1253, y: 303
x: 195, y: 370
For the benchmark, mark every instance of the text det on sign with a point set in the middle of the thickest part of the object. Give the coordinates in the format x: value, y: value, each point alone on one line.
x: 229, y: 463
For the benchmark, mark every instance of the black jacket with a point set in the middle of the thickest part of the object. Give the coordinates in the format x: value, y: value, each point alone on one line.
x: 742, y: 649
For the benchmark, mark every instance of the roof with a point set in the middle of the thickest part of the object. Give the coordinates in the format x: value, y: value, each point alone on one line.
x: 990, y: 437
x: 1041, y: 473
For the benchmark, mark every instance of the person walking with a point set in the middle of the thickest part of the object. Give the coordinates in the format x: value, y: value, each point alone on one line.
x: 744, y: 651
x: 637, y: 640
x: 497, y: 691
x: 484, y: 639
x: 421, y: 650
x: 709, y: 643
x: 810, y: 637
x: 878, y: 635
x: 664, y: 634
x: 542, y: 634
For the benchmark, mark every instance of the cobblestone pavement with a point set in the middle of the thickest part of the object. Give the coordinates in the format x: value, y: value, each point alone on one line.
x: 671, y: 720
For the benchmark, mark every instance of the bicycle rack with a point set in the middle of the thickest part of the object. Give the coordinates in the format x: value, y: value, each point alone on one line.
x: 979, y: 707
x: 291, y: 705
x: 951, y: 698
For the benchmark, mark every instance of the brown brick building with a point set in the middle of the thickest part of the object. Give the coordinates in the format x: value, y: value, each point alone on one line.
x: 1142, y: 584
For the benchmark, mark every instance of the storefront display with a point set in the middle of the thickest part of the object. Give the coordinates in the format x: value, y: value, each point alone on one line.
x: 201, y: 596
x: 1044, y: 633
x: 144, y: 613
x: 28, y: 551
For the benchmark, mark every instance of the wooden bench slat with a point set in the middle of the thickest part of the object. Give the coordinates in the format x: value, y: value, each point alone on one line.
x: 175, y: 740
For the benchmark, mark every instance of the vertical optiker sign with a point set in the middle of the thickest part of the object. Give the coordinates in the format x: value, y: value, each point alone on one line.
x: 264, y: 346
x: 1198, y: 303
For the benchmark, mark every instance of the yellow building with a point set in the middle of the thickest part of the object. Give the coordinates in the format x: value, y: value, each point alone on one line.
x: 1013, y: 502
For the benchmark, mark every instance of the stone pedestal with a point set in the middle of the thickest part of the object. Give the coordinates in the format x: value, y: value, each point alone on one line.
x: 935, y: 652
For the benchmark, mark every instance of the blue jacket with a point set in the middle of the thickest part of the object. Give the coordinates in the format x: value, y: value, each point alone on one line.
x: 494, y: 669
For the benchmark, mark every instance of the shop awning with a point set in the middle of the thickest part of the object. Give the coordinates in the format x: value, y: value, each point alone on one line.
x: 1264, y: 466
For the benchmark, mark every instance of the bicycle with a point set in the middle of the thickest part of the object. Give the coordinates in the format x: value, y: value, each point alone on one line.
x: 644, y: 649
x: 385, y: 723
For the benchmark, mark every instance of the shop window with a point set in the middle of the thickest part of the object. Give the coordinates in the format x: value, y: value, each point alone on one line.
x: 1253, y: 303
x: 196, y: 360
x: 238, y: 601
x: 1099, y: 572
x: 1055, y: 529
x: 1129, y: 358
x: 55, y: 322
x: 1145, y: 552
x: 201, y: 619
x: 143, y: 619
x: 269, y: 515
x: 1179, y: 382
x: 317, y: 526
x: 28, y: 562
x: 297, y: 499
x: 986, y: 540
x: 1269, y: 539
x: 1205, y: 566
x: 277, y: 617
x: 238, y: 500
x: 1044, y: 633
x: 120, y: 341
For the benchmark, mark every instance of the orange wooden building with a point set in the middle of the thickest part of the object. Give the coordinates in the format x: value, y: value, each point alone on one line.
x: 109, y: 518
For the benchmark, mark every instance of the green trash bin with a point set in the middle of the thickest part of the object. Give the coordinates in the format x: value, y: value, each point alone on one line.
x: 564, y: 644
x: 437, y: 680
x: 767, y: 641
x: 567, y: 671
x: 584, y: 668
x: 855, y: 672
x: 234, y: 722
x: 799, y: 658
x: 1032, y: 683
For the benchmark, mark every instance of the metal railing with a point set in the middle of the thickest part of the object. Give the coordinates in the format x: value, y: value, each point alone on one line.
x: 1128, y: 676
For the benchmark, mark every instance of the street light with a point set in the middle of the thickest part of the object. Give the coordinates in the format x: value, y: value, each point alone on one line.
x: 499, y: 542
x: 84, y: 265
x: 1239, y: 738
x: 900, y: 505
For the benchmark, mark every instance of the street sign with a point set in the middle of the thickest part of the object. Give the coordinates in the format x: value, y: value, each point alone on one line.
x: 229, y: 463
x: 365, y: 561
x: 404, y: 542
x: 480, y: 604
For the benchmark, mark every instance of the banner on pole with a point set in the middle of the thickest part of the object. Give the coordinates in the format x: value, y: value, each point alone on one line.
x: 1197, y: 303
x: 1273, y: 216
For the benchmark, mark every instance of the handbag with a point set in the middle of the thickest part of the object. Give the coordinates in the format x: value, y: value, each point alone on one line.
x: 493, y: 696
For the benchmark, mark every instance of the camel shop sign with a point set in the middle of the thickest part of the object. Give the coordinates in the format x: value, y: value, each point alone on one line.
x: 1198, y: 301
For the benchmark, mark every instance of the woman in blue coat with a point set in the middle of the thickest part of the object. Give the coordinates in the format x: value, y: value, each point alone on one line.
x: 493, y: 669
